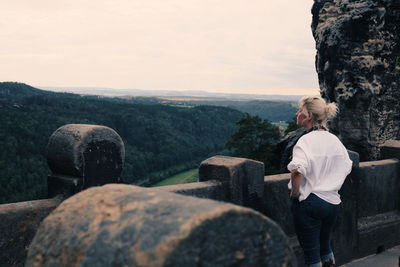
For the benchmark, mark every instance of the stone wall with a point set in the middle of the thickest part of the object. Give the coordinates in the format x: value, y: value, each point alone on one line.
x: 378, y: 210
x: 358, y: 66
x: 123, y: 225
x: 83, y: 156
x: 126, y: 218
x: 369, y: 219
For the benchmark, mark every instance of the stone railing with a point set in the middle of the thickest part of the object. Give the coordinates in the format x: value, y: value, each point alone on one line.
x: 166, y: 226
x: 369, y: 220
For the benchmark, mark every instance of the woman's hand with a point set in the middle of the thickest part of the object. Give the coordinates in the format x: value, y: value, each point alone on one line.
x: 293, y: 195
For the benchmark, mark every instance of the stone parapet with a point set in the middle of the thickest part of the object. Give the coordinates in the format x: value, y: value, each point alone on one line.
x: 378, y: 209
x: 157, y: 225
x: 346, y: 235
x: 369, y: 219
x: 277, y: 201
x: 122, y: 225
x: 390, y: 149
x: 378, y: 188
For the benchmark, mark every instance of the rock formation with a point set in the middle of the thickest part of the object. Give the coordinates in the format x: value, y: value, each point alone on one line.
x: 358, y: 66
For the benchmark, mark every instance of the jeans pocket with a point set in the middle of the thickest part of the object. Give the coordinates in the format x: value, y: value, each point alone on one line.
x: 312, y: 209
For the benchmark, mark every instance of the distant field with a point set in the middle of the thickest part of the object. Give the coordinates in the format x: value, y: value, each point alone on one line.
x: 273, y: 111
x: 189, y: 176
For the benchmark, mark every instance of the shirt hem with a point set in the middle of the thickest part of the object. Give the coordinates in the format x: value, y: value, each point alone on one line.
x: 327, y: 200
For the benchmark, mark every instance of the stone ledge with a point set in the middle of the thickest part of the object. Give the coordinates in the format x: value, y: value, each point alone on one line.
x: 277, y: 177
x: 209, y: 189
x: 370, y: 223
x: 377, y: 233
x: 378, y: 162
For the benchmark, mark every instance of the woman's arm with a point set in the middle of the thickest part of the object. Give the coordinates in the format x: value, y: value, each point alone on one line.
x: 296, y: 178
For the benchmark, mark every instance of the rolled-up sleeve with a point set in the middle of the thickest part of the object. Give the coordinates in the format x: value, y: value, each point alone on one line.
x: 299, y: 160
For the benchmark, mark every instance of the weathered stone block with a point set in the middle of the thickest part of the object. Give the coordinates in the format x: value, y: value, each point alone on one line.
x: 18, y: 225
x: 242, y: 178
x: 345, y: 238
x: 378, y: 189
x: 122, y: 225
x: 378, y: 232
x: 277, y: 201
x: 390, y: 149
x: 81, y: 155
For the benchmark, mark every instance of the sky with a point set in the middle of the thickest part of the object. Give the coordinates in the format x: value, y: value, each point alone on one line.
x: 229, y: 46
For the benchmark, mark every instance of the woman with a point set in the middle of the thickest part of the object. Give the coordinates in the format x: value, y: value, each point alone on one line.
x: 319, y: 166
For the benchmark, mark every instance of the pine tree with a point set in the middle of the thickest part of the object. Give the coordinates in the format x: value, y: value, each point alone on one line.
x: 255, y: 139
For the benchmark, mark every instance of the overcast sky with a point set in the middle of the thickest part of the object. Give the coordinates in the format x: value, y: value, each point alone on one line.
x: 236, y: 46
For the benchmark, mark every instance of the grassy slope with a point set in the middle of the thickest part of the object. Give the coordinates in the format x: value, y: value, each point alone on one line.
x: 189, y: 176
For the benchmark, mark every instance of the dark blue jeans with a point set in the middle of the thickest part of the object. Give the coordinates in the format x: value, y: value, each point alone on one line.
x: 314, y: 219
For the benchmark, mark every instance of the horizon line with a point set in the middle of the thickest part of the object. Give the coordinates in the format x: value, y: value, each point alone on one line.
x: 192, y: 90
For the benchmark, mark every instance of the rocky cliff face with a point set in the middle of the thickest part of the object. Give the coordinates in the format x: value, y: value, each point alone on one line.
x: 358, y: 65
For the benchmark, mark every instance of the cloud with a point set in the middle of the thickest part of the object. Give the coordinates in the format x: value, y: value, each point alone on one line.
x: 174, y: 45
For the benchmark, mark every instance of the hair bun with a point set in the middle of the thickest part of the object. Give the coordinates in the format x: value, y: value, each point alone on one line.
x: 331, y: 110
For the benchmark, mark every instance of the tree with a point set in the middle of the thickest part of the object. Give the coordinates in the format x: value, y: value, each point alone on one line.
x: 255, y: 139
x: 292, y: 125
x: 160, y: 140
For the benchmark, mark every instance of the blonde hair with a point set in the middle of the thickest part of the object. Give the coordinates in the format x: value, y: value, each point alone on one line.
x: 322, y: 112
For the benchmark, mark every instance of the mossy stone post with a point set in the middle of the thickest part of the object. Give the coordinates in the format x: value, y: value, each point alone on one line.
x: 124, y: 225
x: 81, y: 156
x: 242, y: 178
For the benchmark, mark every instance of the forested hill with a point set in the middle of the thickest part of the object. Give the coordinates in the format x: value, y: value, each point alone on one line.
x: 273, y: 111
x: 160, y: 140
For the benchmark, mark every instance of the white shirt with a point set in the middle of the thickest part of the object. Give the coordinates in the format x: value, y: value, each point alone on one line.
x: 324, y: 162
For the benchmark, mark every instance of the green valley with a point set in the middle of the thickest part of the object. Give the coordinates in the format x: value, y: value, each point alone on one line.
x: 160, y: 140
